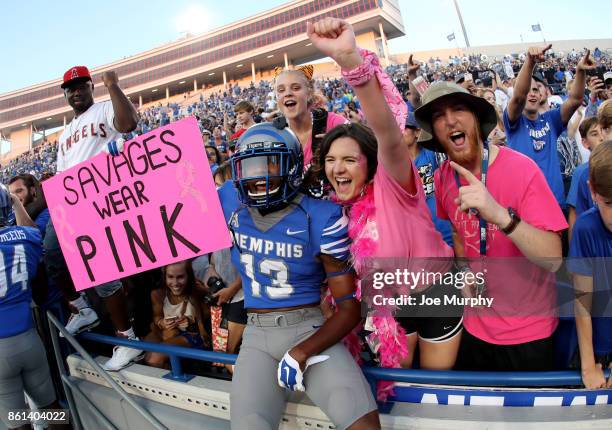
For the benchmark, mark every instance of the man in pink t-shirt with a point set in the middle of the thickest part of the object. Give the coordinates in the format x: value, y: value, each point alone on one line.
x: 506, y: 220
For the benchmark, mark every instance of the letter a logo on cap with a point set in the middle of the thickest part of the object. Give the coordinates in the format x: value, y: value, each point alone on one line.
x: 76, y: 72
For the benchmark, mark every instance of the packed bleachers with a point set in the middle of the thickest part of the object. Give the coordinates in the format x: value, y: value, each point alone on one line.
x: 211, y: 109
x: 39, y: 161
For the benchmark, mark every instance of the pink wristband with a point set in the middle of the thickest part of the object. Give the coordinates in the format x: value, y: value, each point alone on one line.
x: 365, y: 71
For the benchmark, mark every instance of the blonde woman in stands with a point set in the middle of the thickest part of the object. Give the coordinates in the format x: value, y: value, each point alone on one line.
x: 301, y: 105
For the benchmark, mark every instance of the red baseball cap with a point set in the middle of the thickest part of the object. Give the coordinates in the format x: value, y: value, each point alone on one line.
x: 76, y: 72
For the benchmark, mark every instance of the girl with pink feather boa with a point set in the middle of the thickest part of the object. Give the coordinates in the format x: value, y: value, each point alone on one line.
x: 373, y: 176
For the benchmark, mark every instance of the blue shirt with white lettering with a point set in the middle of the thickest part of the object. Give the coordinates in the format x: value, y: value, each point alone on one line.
x: 538, y: 140
x: 591, y: 255
x: 277, y: 255
x: 20, y: 251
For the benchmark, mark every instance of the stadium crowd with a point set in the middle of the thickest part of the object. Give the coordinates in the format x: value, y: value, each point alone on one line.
x: 40, y: 161
x: 511, y: 157
x: 217, y: 108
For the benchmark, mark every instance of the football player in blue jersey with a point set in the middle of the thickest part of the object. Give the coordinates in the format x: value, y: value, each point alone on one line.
x: 22, y: 356
x: 286, y: 246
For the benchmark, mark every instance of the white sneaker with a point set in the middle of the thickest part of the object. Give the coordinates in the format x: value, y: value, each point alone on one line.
x: 122, y: 357
x: 86, y: 319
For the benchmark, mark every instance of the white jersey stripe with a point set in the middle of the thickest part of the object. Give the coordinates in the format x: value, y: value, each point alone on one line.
x: 336, y: 251
x: 328, y: 246
x: 339, y: 225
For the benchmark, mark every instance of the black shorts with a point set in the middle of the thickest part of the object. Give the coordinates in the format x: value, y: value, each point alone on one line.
x: 433, y: 323
x: 476, y: 354
x: 236, y: 312
x: 605, y: 360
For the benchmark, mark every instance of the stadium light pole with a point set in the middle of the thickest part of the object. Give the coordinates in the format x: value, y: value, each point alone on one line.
x: 467, y: 41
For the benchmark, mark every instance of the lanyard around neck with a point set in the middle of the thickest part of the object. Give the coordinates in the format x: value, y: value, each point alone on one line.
x: 483, y: 178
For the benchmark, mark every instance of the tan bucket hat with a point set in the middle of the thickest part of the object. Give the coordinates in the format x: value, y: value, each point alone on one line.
x: 485, y: 113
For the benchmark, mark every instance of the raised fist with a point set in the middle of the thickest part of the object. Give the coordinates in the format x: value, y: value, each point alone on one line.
x: 336, y: 39
x: 109, y: 78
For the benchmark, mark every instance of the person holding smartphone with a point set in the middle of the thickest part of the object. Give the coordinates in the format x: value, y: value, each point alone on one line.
x: 600, y: 90
x: 179, y: 314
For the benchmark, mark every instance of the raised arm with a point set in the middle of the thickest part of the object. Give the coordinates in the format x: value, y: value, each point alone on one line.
x: 523, y: 82
x: 226, y: 123
x: 575, y: 121
x: 336, y: 39
x: 126, y: 117
x: 413, y: 67
x: 576, y: 95
x: 21, y: 215
x: 498, y: 84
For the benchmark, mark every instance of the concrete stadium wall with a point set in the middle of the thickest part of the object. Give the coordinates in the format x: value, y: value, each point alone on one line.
x: 200, y: 403
x: 20, y: 143
x: 501, y: 50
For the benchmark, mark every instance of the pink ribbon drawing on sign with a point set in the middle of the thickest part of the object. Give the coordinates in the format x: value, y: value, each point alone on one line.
x: 61, y: 224
x: 185, y: 175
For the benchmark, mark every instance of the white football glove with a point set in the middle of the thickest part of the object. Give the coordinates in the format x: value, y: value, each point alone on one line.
x: 290, y: 376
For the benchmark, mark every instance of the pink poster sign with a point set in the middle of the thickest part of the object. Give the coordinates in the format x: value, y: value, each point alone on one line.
x: 152, y: 205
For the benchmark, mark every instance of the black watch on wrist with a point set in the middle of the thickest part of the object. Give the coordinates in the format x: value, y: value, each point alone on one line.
x: 514, y: 221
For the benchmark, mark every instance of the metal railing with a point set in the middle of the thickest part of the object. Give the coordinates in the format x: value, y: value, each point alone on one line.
x: 478, y: 379
x: 69, y: 386
x: 372, y: 374
x: 175, y: 353
x: 438, y: 377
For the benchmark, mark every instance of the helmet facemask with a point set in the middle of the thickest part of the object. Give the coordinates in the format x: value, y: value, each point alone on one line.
x: 267, y: 166
x: 265, y: 177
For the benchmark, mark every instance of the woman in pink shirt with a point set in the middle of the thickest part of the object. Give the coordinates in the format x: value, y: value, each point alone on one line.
x: 373, y: 175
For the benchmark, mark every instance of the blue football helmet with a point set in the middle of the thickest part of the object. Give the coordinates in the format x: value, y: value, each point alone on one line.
x: 6, y: 207
x: 267, y: 166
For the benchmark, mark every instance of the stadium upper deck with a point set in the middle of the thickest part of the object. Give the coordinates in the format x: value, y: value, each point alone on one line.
x: 272, y: 38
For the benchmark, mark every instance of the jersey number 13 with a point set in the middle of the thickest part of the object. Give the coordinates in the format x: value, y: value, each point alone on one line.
x: 276, y: 270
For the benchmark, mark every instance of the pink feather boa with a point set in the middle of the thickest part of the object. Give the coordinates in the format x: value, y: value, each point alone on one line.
x: 388, y: 334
